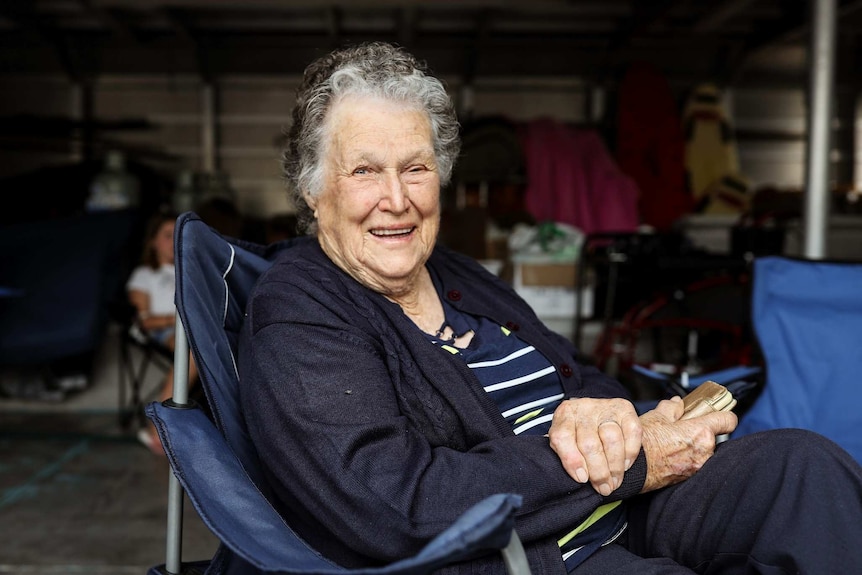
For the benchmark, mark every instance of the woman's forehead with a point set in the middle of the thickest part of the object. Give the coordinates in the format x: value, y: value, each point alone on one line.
x: 368, y: 128
x: 355, y: 105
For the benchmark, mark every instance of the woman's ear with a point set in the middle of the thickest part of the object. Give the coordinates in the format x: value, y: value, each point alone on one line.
x: 311, y: 201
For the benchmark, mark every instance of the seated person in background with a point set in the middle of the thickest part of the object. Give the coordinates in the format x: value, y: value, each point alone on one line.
x: 151, y: 291
x: 389, y: 383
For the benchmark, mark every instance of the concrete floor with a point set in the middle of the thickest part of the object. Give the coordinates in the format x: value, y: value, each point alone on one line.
x: 78, y: 493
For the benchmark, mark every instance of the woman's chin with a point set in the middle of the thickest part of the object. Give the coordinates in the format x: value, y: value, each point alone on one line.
x: 392, y: 275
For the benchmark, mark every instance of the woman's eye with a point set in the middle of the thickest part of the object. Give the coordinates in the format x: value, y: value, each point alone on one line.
x: 360, y: 171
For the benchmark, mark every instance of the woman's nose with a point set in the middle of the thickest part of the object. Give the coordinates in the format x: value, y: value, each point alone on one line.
x: 394, y: 197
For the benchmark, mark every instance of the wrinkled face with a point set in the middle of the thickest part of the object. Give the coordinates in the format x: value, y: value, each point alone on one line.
x: 378, y: 213
x: 163, y: 243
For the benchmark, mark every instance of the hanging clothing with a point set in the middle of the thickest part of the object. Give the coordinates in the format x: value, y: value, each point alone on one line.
x: 650, y: 145
x: 573, y: 179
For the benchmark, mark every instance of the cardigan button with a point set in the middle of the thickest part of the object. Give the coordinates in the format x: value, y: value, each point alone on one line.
x: 566, y: 370
x: 512, y: 326
x: 454, y: 295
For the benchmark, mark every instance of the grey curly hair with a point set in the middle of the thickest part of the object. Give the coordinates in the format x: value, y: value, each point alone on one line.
x: 374, y: 69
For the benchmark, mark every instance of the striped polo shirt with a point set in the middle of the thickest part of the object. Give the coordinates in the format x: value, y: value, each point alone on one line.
x: 526, y: 388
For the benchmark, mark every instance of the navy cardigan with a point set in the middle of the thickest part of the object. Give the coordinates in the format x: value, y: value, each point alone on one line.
x: 375, y: 440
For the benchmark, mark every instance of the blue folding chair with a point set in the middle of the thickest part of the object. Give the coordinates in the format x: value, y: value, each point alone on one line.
x: 807, y: 316
x: 215, y: 461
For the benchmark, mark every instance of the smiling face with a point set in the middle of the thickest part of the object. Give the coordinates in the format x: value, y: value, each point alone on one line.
x: 378, y: 213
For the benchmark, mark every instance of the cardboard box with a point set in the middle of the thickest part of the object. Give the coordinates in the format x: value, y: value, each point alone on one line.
x: 547, y: 274
x: 550, y: 288
x: 557, y: 302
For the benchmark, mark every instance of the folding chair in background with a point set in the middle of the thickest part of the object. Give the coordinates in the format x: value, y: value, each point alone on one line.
x: 215, y: 462
x: 138, y: 352
x: 673, y: 315
x: 807, y: 316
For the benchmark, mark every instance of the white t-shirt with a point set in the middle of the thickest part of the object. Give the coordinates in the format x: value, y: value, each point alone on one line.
x: 158, y: 284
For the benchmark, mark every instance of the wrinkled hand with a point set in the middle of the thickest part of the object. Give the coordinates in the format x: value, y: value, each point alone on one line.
x: 675, y: 448
x: 597, y: 440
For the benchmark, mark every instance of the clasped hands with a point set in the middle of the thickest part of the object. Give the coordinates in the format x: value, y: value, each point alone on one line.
x: 597, y: 440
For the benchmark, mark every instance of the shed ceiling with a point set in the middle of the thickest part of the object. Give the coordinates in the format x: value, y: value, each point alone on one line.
x: 726, y: 41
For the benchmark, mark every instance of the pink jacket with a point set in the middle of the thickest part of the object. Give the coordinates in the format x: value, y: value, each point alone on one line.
x: 573, y: 179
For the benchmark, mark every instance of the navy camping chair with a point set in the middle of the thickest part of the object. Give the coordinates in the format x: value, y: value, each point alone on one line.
x: 807, y: 316
x: 214, y: 461
x: 740, y: 380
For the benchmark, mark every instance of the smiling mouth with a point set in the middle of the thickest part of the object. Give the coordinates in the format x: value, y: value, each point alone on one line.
x: 396, y: 233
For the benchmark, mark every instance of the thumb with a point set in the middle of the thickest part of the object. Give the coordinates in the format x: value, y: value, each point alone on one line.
x: 670, y: 408
x: 721, y: 422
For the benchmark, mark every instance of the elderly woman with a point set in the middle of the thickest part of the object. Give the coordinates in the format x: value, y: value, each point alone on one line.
x: 389, y: 383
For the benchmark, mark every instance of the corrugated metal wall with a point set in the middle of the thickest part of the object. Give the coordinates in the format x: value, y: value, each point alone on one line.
x: 253, y: 112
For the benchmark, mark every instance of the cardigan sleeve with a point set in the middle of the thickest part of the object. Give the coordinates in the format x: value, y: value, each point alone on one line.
x: 327, y: 410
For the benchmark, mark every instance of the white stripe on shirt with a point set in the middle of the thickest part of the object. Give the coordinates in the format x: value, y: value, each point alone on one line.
x: 533, y: 423
x: 506, y: 359
x: 532, y: 404
x: 520, y: 380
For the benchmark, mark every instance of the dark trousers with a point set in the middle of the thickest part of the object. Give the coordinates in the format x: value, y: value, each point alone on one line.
x: 778, y: 502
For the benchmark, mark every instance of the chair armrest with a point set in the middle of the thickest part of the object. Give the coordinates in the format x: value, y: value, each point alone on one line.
x: 726, y: 377
x: 235, y: 510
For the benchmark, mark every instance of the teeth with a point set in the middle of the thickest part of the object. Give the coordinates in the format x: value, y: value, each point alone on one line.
x: 391, y: 232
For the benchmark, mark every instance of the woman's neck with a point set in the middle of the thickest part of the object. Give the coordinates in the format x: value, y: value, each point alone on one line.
x: 422, y: 304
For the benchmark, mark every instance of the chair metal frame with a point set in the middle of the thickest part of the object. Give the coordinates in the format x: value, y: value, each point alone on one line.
x: 180, y: 398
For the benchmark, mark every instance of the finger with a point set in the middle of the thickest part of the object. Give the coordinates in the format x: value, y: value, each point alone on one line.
x: 632, y: 430
x: 562, y: 438
x: 591, y: 446
x: 721, y: 422
x: 614, y: 446
x: 633, y: 436
x: 679, y: 406
x: 672, y: 408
